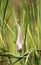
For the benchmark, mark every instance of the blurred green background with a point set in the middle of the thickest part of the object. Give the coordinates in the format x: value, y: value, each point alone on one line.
x: 29, y: 14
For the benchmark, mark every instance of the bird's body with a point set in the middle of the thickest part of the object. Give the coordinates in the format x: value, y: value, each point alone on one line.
x: 19, y: 42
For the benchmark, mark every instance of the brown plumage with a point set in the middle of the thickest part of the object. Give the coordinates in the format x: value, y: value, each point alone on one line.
x: 19, y: 42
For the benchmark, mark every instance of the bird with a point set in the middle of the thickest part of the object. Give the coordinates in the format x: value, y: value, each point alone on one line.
x: 19, y: 41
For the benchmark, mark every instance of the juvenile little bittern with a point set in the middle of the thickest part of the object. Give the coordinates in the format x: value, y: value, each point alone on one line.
x: 19, y: 42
